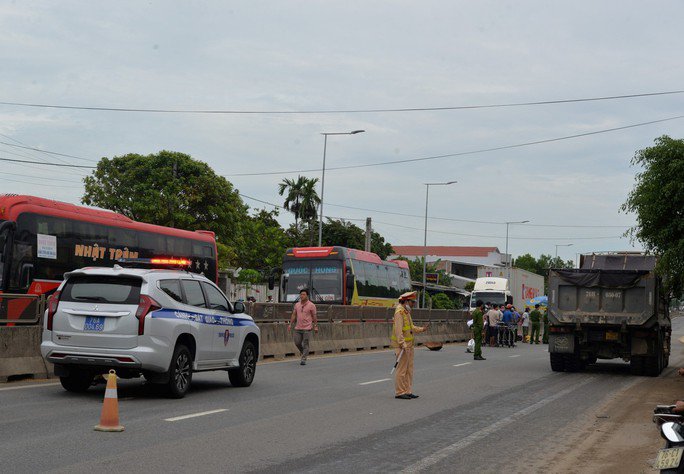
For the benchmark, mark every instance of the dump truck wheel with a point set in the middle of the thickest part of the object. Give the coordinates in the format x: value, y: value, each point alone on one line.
x: 636, y: 365
x: 557, y: 362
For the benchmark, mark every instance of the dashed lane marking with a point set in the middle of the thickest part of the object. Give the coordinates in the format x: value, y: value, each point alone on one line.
x: 516, y: 355
x: 461, y: 365
x: 374, y: 381
x: 195, y: 415
x: 21, y: 387
x: 450, y: 450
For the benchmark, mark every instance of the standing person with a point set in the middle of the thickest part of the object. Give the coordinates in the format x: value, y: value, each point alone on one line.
x: 402, y: 342
x: 535, y: 319
x: 494, y: 316
x: 518, y: 323
x: 545, y: 327
x: 304, y: 313
x: 525, y: 323
x: 478, y: 327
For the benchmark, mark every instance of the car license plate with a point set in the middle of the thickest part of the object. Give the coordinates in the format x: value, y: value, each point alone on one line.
x: 94, y: 323
x: 668, y: 458
x: 612, y: 336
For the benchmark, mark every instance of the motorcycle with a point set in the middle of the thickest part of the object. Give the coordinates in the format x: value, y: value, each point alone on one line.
x: 671, y: 425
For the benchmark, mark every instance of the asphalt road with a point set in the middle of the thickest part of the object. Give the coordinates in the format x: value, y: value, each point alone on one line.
x: 336, y: 414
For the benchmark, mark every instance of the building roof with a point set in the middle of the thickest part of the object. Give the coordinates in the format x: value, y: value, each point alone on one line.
x: 444, y: 251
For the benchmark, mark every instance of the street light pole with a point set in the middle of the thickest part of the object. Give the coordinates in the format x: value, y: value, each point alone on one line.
x: 427, y: 194
x: 508, y: 258
x: 325, y: 147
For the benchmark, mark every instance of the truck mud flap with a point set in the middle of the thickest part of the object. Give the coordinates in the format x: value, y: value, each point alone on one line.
x: 562, y: 343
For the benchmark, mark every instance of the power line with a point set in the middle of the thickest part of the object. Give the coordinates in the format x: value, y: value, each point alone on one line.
x: 464, y: 153
x: 49, y: 152
x: 502, y: 237
x: 62, y: 165
x: 444, y: 232
x: 470, y: 221
x: 336, y: 111
x: 41, y: 177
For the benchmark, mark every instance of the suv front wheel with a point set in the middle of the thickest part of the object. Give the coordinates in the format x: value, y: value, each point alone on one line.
x: 244, y: 375
x: 180, y: 372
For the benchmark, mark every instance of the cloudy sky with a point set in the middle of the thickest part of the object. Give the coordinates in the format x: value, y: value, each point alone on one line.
x: 352, y: 55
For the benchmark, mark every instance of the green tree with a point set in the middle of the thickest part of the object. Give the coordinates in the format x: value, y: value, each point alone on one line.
x: 170, y: 189
x: 267, y: 242
x: 470, y: 286
x: 527, y: 262
x: 442, y: 301
x: 657, y: 199
x: 345, y: 234
x: 301, y: 197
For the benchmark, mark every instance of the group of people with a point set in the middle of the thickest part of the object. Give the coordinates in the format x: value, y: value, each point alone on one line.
x: 489, y: 320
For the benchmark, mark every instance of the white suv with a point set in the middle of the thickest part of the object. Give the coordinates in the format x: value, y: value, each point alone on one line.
x: 164, y: 324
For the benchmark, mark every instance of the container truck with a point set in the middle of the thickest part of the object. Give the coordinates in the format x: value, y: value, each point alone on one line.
x: 612, y: 307
x: 522, y: 285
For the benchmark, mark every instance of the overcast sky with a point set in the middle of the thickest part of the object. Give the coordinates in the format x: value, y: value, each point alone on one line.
x: 315, y: 55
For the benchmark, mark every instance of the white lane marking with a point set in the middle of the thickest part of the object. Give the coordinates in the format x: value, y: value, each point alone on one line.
x: 374, y: 381
x: 194, y: 415
x: 21, y: 387
x: 444, y: 453
x: 461, y: 365
x: 517, y: 355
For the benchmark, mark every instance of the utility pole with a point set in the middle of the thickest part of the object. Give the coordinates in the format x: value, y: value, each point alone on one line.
x: 369, y: 231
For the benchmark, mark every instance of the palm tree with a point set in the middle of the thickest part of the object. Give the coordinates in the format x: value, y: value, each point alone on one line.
x: 301, y: 197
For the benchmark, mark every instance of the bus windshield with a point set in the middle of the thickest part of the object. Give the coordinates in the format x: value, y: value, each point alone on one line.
x: 323, y: 279
x: 493, y: 297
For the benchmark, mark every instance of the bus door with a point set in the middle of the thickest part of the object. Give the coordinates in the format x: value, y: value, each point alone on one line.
x: 6, y: 234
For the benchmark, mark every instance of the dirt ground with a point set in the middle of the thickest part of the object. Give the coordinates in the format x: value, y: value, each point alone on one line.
x: 619, y: 436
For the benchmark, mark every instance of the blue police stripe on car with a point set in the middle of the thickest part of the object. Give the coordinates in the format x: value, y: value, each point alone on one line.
x: 201, y: 318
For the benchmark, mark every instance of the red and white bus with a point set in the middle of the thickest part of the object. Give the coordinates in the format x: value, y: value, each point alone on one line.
x: 41, y: 239
x: 340, y: 275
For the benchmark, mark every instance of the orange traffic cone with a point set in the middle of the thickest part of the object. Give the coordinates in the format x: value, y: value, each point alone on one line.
x: 109, y: 420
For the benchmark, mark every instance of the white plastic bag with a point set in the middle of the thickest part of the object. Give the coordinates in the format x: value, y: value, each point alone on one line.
x: 471, y: 345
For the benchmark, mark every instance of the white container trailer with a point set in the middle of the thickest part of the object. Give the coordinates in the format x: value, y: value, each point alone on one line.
x: 522, y: 284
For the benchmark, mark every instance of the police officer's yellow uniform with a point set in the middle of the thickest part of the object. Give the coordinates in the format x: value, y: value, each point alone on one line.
x: 402, y: 338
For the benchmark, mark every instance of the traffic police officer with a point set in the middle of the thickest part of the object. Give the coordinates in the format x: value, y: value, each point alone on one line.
x: 545, y: 327
x: 402, y: 342
x: 535, y: 318
x: 478, y: 327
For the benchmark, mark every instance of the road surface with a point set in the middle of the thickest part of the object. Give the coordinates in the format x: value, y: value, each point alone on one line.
x: 336, y: 414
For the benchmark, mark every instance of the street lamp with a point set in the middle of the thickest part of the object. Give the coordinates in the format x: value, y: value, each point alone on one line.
x: 561, y: 245
x: 508, y: 258
x: 325, y: 146
x: 427, y: 194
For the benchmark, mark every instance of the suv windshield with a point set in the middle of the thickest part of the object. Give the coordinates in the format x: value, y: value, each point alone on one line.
x: 102, y: 289
x: 323, y: 279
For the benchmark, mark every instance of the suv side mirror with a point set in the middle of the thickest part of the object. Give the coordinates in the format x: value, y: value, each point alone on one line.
x: 239, y: 307
x: 271, y: 282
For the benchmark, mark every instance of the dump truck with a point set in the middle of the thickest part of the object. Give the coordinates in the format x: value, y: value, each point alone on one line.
x: 612, y: 307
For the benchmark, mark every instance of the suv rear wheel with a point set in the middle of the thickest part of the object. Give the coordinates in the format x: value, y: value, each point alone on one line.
x: 77, y: 382
x: 244, y: 375
x: 180, y: 372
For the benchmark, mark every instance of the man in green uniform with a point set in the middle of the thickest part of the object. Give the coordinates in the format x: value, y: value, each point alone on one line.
x: 545, y: 320
x: 535, y: 319
x: 478, y: 327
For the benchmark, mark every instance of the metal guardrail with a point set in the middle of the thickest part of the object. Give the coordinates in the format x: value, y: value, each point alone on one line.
x: 281, y: 312
x: 28, y: 308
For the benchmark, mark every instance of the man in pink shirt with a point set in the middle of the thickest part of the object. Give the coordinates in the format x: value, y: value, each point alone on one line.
x: 304, y: 314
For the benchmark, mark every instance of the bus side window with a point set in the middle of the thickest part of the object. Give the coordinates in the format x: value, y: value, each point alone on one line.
x: 360, y: 274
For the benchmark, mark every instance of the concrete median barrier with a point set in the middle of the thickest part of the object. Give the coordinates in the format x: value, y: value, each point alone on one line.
x: 20, y: 353
x: 341, y: 329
